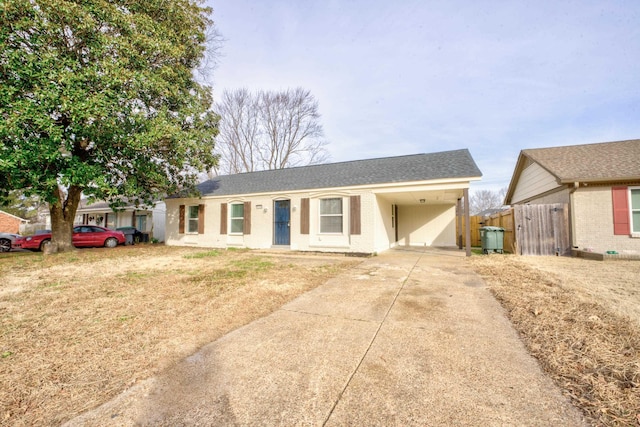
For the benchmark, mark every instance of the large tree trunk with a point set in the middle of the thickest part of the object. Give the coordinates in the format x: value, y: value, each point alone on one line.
x: 63, y: 213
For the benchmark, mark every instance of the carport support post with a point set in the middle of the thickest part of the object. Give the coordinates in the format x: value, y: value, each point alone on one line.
x: 459, y: 219
x: 467, y: 222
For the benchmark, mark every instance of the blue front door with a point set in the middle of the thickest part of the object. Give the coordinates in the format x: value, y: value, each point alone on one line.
x: 282, y: 222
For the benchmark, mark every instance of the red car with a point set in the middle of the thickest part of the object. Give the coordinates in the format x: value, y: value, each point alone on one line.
x: 83, y: 235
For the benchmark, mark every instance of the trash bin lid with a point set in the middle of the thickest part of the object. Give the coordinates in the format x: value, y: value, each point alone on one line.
x: 490, y: 228
x: 127, y: 230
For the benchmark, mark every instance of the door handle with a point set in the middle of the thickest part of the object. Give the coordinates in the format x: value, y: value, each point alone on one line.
x: 288, y: 224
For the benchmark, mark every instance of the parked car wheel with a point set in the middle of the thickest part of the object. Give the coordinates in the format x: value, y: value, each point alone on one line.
x: 45, y: 244
x: 111, y: 242
x: 5, y: 245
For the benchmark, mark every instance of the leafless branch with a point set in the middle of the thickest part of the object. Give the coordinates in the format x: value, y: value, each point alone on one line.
x: 269, y: 130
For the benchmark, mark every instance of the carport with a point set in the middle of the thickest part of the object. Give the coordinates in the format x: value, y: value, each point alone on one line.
x: 426, y: 215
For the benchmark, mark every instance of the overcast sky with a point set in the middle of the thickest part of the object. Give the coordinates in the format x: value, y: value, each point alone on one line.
x: 406, y: 77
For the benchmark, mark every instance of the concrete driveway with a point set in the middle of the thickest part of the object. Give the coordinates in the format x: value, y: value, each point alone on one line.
x: 409, y: 337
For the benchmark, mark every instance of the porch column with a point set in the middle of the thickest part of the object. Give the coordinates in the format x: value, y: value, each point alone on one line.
x: 459, y: 219
x: 467, y: 222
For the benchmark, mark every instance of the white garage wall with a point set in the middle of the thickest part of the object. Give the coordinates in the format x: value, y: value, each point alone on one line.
x: 427, y: 225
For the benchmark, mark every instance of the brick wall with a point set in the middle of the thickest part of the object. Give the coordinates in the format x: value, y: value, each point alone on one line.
x: 593, y: 222
x: 9, y: 223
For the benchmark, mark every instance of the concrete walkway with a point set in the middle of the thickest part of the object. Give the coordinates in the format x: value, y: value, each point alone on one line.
x: 410, y: 337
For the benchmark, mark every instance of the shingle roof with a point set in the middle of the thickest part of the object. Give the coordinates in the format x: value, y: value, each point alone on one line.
x: 607, y: 161
x: 418, y: 167
x: 84, y: 204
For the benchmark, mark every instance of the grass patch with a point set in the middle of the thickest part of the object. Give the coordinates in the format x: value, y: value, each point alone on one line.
x: 198, y: 255
x: 252, y: 264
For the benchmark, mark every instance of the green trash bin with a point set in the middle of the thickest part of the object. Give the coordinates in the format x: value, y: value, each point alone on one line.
x: 492, y: 239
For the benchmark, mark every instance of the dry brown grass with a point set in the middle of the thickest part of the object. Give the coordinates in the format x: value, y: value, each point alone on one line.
x: 581, y: 320
x: 76, y: 329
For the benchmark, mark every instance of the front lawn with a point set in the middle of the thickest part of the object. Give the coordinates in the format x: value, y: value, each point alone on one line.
x: 76, y: 329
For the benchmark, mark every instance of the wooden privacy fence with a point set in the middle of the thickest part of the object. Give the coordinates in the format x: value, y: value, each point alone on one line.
x: 542, y: 229
x: 502, y: 219
x: 528, y: 229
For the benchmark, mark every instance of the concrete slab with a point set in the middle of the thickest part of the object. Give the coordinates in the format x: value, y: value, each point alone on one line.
x: 410, y: 337
x: 285, y: 369
x: 365, y: 293
x: 446, y: 355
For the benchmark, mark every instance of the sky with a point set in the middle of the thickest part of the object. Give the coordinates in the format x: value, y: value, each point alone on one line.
x: 406, y: 77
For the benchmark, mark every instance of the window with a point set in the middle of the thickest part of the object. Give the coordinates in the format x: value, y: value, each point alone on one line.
x: 237, y: 218
x: 141, y: 221
x: 110, y: 220
x: 331, y: 215
x: 635, y: 209
x: 192, y: 219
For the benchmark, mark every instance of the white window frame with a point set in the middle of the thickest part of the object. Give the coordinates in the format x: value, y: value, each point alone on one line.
x: 191, y: 220
x: 111, y: 219
x: 634, y: 232
x: 236, y: 218
x: 321, y: 215
x: 146, y: 218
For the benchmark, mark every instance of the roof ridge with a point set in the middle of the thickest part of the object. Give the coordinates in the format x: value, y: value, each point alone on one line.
x: 342, y: 162
x: 581, y: 145
x: 451, y: 164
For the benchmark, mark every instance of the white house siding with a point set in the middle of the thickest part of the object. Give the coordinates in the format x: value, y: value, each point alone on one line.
x: 342, y: 242
x: 426, y: 217
x: 427, y: 225
x: 157, y: 221
x: 262, y: 218
x: 383, y: 225
x: 533, y: 180
x: 593, y: 222
x: 562, y: 195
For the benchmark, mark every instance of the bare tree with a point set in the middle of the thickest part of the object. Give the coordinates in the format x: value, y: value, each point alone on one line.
x: 269, y: 130
x: 482, y: 200
x: 238, y: 140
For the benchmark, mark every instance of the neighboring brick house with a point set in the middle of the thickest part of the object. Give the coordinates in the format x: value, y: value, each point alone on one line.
x: 362, y: 206
x: 599, y: 182
x: 10, y: 223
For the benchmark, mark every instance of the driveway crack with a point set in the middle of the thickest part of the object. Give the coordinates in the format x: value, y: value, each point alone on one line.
x: 375, y: 335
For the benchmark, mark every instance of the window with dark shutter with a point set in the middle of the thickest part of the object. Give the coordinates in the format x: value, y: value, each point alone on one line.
x: 620, y: 197
x: 354, y: 215
x: 181, y: 219
x: 193, y: 219
x: 223, y: 219
x: 247, y: 218
x: 304, y: 215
